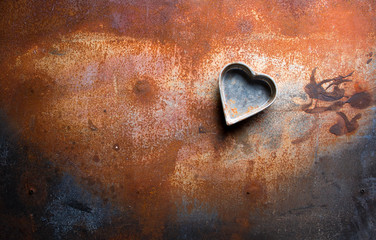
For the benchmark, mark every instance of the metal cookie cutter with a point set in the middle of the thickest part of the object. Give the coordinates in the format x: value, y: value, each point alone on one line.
x: 244, y: 92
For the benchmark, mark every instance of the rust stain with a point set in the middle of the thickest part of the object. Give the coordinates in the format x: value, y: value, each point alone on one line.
x: 234, y: 111
x: 317, y: 92
x: 344, y: 125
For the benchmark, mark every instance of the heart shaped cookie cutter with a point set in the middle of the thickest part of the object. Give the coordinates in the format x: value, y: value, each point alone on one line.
x: 244, y: 92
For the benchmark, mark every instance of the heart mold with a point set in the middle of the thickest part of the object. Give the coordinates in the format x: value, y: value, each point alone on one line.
x: 244, y: 92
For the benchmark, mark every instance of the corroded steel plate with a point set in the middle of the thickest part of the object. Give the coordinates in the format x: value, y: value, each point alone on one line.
x: 112, y: 126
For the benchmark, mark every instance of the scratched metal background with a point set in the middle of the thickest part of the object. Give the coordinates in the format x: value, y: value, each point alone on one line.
x: 111, y: 125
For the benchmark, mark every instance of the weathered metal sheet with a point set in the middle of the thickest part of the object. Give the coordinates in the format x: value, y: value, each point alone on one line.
x: 112, y: 125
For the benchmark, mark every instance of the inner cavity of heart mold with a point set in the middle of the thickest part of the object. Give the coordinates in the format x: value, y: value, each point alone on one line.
x: 243, y: 93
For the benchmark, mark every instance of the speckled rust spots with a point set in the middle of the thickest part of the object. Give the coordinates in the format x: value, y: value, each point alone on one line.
x: 123, y: 96
x: 234, y: 112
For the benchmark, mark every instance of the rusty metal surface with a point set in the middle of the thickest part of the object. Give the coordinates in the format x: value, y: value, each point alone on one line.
x: 112, y: 125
